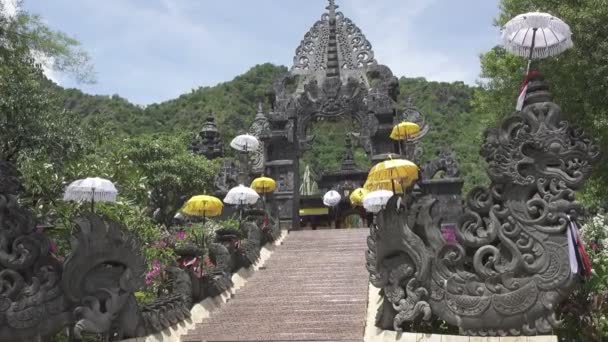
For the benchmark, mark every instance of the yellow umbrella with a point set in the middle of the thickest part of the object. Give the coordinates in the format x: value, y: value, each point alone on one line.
x: 389, y: 184
x: 263, y: 185
x: 400, y: 170
x: 203, y: 205
x: 404, y: 131
x: 356, y: 197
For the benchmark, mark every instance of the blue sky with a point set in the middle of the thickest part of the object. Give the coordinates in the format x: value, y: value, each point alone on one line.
x: 153, y: 50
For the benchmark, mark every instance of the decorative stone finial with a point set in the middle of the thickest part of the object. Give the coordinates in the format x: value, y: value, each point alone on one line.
x: 208, y: 142
x: 333, y: 63
x: 332, y: 7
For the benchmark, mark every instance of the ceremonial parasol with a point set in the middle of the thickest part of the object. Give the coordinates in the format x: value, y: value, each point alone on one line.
x: 376, y: 200
x: 240, y: 196
x: 404, y: 131
x: 356, y: 197
x: 401, y: 170
x: 245, y: 143
x: 535, y: 35
x: 91, y: 189
x: 389, y: 184
x: 204, y: 206
x: 263, y: 185
x: 331, y: 198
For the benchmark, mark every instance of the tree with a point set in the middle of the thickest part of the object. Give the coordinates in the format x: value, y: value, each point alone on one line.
x: 172, y: 173
x: 577, y: 77
x: 54, y: 49
x: 31, y: 122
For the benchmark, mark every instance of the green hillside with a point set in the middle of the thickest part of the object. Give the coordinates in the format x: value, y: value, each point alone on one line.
x: 447, y: 106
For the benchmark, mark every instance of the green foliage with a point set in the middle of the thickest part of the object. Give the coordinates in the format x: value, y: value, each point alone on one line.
x: 58, y: 51
x: 446, y: 105
x: 172, y: 173
x: 233, y: 103
x: 31, y: 122
x: 113, y: 113
x: 329, y: 146
x: 454, y: 123
x: 577, y: 77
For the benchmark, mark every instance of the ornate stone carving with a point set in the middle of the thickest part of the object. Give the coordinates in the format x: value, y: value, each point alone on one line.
x: 261, y: 129
x: 336, y: 45
x: 446, y: 162
x: 208, y: 142
x: 32, y: 301
x: 508, y: 269
x: 334, y: 76
x: 93, y: 290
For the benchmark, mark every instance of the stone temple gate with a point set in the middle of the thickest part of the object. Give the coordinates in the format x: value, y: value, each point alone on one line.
x: 334, y: 75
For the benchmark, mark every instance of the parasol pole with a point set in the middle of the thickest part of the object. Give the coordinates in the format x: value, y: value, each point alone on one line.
x: 531, y: 50
x: 93, y: 200
x: 399, y: 141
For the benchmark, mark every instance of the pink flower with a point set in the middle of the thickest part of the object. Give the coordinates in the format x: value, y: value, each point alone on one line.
x: 180, y: 235
x: 52, y: 246
x: 154, y: 272
x: 160, y: 244
x: 156, y: 264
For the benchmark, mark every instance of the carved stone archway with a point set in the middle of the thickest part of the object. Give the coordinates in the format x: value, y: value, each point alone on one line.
x: 334, y: 75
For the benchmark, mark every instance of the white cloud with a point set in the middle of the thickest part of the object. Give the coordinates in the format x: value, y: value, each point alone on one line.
x: 9, y: 7
x: 391, y: 28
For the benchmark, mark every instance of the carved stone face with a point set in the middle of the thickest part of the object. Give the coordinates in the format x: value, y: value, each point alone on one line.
x: 536, y: 145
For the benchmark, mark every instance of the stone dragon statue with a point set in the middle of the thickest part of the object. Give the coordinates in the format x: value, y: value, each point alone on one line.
x: 508, y: 268
x: 92, y: 291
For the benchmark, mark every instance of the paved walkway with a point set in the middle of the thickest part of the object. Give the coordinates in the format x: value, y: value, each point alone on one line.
x: 313, y: 288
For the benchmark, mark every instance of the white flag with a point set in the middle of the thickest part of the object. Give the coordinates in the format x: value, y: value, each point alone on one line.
x: 521, y: 98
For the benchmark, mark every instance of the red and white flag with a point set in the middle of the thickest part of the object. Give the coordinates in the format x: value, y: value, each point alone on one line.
x: 523, y: 91
x: 522, y: 97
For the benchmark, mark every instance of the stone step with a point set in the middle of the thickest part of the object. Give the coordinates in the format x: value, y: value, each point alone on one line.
x: 215, y: 330
x: 301, y: 292
x: 313, y: 288
x: 287, y: 316
x: 340, y: 307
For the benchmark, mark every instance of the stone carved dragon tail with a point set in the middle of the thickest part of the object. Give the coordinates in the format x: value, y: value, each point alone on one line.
x: 509, y: 268
x: 101, y: 275
x: 32, y: 302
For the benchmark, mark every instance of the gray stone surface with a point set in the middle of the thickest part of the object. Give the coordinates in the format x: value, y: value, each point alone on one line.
x: 314, y: 288
x: 497, y: 263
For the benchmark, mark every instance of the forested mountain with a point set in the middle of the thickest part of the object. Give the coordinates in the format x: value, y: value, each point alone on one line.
x: 447, y: 106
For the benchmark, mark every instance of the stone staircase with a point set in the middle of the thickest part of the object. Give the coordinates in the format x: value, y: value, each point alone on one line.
x: 313, y: 288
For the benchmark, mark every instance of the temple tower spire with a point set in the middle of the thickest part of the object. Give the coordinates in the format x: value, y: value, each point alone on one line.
x: 333, y: 63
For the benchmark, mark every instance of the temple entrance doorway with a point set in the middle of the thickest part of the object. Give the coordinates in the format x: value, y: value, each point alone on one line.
x: 353, y: 220
x: 327, y: 146
x: 332, y: 161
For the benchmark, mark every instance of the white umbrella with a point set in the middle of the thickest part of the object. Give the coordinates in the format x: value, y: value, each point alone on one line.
x: 331, y: 198
x: 245, y: 143
x: 241, y: 195
x: 376, y: 200
x: 91, y: 189
x: 536, y: 35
